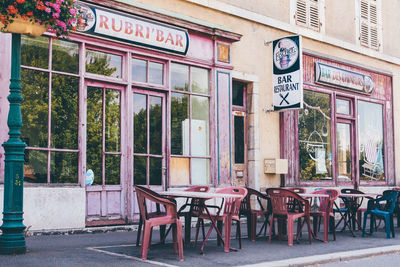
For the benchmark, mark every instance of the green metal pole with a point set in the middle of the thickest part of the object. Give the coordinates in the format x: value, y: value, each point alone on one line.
x: 12, y: 240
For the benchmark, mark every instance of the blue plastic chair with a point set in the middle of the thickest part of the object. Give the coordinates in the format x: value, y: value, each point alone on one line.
x: 384, y: 211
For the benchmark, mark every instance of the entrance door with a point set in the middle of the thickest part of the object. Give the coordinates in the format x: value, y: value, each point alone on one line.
x: 105, y: 195
x: 149, y: 161
x: 344, y: 152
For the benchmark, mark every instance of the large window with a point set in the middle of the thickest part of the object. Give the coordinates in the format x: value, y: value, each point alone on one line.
x: 190, y: 122
x: 50, y: 110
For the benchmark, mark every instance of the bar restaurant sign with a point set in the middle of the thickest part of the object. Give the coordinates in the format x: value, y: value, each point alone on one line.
x: 342, y: 78
x: 130, y: 29
x: 287, y: 73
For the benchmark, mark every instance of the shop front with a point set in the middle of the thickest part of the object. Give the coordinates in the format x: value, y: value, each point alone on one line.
x: 133, y: 98
x: 343, y: 136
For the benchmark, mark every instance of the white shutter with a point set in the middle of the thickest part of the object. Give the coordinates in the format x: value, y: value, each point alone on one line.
x: 301, y: 12
x: 373, y: 24
x: 314, y: 15
x: 307, y: 14
x: 369, y: 24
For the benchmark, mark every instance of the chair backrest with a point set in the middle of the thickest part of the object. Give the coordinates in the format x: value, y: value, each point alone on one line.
x: 232, y: 205
x: 245, y: 206
x: 298, y: 190
x: 391, y: 197
x: 144, y: 194
x: 324, y: 202
x: 352, y: 191
x: 198, y: 188
x: 194, y: 203
x: 280, y: 198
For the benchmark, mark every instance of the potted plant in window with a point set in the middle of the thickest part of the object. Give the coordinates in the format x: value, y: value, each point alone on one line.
x: 34, y: 17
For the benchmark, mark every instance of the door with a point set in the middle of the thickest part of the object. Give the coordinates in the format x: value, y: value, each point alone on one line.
x: 105, y: 193
x: 345, y: 152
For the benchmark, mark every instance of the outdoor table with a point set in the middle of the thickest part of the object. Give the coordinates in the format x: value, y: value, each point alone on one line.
x: 203, y: 196
x: 352, y: 205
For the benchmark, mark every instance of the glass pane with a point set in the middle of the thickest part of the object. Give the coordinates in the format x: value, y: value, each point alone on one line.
x: 315, y: 153
x: 179, y: 118
x: 156, y: 128
x: 139, y: 170
x: 35, y: 166
x: 239, y: 139
x: 64, y: 112
x: 199, y: 80
x: 94, y: 148
x: 371, y: 141
x: 34, y: 107
x: 140, y: 123
x: 179, y: 171
x: 200, y: 126
x: 35, y: 51
x: 156, y: 72
x: 179, y: 77
x: 343, y: 152
x: 200, y: 171
x: 155, y: 171
x: 112, y: 121
x: 237, y: 93
x: 103, y: 64
x: 64, y: 167
x: 64, y: 51
x: 139, y: 70
x: 343, y: 106
x: 112, y: 169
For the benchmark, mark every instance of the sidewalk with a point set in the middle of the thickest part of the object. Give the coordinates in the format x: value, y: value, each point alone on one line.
x: 118, y: 249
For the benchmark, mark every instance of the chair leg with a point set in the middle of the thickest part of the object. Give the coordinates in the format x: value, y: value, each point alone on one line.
x: 290, y: 231
x: 238, y: 231
x: 332, y: 226
x: 364, y: 224
x: 392, y: 225
x: 188, y: 222
x: 197, y: 231
x: 387, y: 226
x: 249, y: 218
x: 309, y: 228
x: 174, y: 239
x: 202, y: 230
x: 139, y: 231
x: 219, y: 226
x: 179, y: 237
x: 253, y: 228
x: 228, y: 226
x: 270, y: 227
x: 146, y: 240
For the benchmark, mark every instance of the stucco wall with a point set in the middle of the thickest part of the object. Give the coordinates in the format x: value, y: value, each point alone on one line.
x: 47, y: 208
x: 391, y: 29
x: 340, y: 14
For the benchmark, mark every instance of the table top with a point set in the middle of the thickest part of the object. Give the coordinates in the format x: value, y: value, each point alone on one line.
x: 312, y: 195
x: 204, y: 195
x: 359, y: 195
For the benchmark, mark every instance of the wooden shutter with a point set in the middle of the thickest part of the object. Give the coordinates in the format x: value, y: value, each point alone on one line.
x: 369, y: 24
x: 307, y: 14
x: 314, y: 15
x: 301, y: 12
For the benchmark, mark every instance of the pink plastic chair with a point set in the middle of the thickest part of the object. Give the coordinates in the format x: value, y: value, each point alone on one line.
x: 169, y: 217
x: 230, y: 212
x: 279, y: 200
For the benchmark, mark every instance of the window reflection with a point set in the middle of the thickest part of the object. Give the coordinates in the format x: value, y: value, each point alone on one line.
x: 103, y: 63
x: 35, y: 51
x: 199, y: 80
x: 179, y: 114
x: 63, y: 167
x: 199, y: 126
x: 156, y: 72
x: 344, y: 158
x: 179, y: 77
x: 63, y: 52
x: 139, y: 70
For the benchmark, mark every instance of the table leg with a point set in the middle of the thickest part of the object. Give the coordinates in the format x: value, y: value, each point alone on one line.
x: 188, y: 224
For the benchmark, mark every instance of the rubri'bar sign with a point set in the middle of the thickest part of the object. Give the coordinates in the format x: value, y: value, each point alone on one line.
x: 342, y: 78
x: 287, y: 73
x: 127, y: 28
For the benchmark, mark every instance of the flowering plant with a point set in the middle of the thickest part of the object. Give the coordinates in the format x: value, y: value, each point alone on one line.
x: 58, y: 15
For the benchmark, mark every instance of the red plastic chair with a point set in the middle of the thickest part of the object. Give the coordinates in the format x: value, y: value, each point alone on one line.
x: 169, y: 217
x: 231, y: 212
x: 252, y: 214
x: 325, y: 205
x: 297, y: 190
x: 279, y: 200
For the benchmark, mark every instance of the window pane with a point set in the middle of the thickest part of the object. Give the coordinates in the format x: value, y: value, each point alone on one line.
x: 112, y: 169
x: 35, y: 51
x: 315, y: 154
x: 179, y: 77
x: 199, y: 80
x: 155, y: 171
x: 112, y: 121
x: 63, y: 167
x: 139, y: 70
x: 64, y: 112
x: 155, y: 125
x: 140, y: 123
x: 156, y: 71
x: 200, y: 125
x: 371, y: 142
x: 179, y: 171
x: 139, y: 170
x: 63, y: 52
x: 239, y: 139
x: 237, y: 93
x: 179, y: 117
x: 343, y: 106
x: 94, y: 132
x: 343, y: 152
x: 103, y: 64
x: 34, y: 106
x: 35, y: 166
x: 200, y: 171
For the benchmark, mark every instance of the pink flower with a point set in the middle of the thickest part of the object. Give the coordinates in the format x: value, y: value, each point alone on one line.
x: 62, y: 24
x: 56, y: 15
x: 72, y: 11
x: 56, y: 6
x: 48, y: 10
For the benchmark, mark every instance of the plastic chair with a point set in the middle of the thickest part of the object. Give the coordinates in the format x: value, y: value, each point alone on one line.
x: 169, y: 217
x: 231, y: 207
x: 374, y: 209
x: 279, y: 202
x: 252, y: 214
x: 325, y: 205
x: 397, y: 207
x: 297, y: 190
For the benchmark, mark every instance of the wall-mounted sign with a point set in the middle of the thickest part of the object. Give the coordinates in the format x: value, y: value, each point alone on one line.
x: 223, y: 53
x: 287, y: 73
x: 127, y: 28
x: 342, y: 78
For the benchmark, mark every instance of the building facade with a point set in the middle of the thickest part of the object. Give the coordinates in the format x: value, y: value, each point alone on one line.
x: 176, y: 93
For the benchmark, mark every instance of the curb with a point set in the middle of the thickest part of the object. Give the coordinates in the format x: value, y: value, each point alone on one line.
x: 329, y: 258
